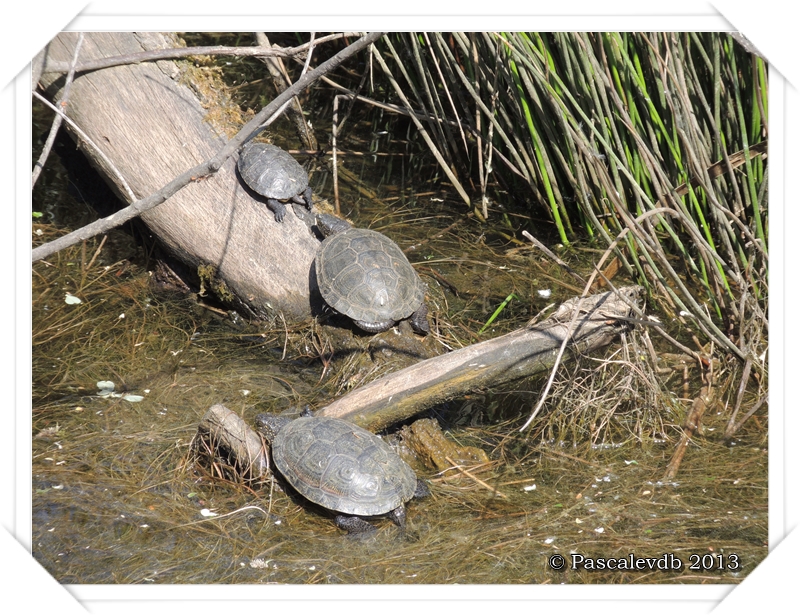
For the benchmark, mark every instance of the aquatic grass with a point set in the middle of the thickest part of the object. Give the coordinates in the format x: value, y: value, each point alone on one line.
x: 117, y: 500
x: 121, y: 478
x: 594, y: 130
x: 497, y: 312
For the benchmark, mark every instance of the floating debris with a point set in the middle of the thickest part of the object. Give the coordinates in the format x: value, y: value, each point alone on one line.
x: 105, y: 389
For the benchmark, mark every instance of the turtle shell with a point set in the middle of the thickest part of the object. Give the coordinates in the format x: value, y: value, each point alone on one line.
x: 363, y: 274
x: 271, y: 172
x: 342, y: 467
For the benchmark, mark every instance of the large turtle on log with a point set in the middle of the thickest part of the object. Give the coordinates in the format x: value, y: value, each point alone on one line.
x: 364, y: 275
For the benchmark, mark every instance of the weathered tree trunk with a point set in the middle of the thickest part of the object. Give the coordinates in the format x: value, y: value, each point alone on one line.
x: 153, y: 128
x: 492, y: 363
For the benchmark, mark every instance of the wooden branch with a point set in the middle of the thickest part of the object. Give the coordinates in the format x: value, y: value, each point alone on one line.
x: 691, y: 425
x: 207, y: 168
x: 51, y: 137
x: 401, y: 395
x: 495, y: 362
x: 188, y: 52
x: 280, y: 79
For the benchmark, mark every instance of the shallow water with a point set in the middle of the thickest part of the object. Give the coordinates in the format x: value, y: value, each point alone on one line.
x: 116, y: 498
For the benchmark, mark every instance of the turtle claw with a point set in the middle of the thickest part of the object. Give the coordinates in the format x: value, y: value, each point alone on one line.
x: 277, y: 207
x: 419, y: 320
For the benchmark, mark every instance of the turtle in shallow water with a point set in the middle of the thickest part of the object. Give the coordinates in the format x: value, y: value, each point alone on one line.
x: 341, y: 467
x: 274, y: 174
x: 364, y: 275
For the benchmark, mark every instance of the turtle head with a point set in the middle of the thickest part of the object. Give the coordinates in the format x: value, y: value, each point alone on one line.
x: 328, y: 224
x: 269, y: 425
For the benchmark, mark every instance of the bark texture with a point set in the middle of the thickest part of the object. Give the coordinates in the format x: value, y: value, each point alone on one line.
x: 588, y: 324
x: 152, y: 127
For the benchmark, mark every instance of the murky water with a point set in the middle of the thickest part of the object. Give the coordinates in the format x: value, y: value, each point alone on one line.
x: 577, y: 499
x: 116, y: 501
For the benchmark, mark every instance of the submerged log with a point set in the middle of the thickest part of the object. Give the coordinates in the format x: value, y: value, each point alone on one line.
x: 597, y: 321
x: 522, y: 353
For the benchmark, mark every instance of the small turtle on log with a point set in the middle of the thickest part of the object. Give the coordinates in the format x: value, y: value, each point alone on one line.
x: 274, y: 174
x: 364, y: 275
x: 341, y: 467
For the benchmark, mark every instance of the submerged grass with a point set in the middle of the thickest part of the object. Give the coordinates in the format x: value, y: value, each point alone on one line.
x: 117, y: 498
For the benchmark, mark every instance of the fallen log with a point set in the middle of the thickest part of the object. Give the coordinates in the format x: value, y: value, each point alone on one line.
x: 224, y: 440
x: 152, y: 128
x: 492, y: 363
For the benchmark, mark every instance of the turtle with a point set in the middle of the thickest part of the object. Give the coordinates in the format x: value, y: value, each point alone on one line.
x: 364, y: 275
x: 274, y: 174
x: 342, y: 468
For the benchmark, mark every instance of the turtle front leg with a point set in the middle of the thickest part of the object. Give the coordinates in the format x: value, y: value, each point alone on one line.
x: 277, y: 207
x: 353, y: 524
x: 304, y: 198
